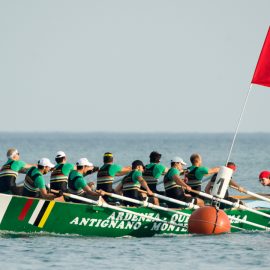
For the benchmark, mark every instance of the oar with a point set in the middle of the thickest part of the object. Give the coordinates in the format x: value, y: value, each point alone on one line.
x: 145, y: 204
x: 252, y: 194
x: 119, y: 209
x: 248, y: 197
x: 187, y: 205
x: 150, y: 205
x: 236, y: 205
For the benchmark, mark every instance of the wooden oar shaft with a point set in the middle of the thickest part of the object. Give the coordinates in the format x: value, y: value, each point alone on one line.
x: 119, y: 209
x: 248, y: 197
x: 253, y: 194
x: 146, y: 204
x: 236, y: 205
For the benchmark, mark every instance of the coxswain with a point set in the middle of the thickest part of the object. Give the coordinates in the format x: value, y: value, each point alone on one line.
x: 60, y: 173
x: 9, y: 172
x: 175, y: 186
x: 233, y: 183
x: 154, y: 171
x: 196, y: 172
x: 106, y: 174
x: 131, y: 184
x: 34, y: 182
x: 77, y: 185
x: 264, y: 178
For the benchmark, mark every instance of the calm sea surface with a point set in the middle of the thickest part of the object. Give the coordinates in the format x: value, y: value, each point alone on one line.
x: 230, y: 251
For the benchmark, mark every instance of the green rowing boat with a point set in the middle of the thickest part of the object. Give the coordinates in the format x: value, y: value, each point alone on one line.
x: 30, y: 215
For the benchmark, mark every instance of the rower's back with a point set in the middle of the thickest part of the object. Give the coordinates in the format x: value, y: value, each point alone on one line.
x: 106, y: 174
x: 59, y: 176
x: 153, y: 171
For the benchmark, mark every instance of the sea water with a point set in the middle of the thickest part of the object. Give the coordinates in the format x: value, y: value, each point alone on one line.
x: 229, y: 251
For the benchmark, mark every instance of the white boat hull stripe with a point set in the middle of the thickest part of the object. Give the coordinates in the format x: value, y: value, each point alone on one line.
x: 4, y: 203
x: 36, y: 212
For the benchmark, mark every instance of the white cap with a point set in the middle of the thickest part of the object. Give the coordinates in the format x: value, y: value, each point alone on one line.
x: 45, y: 162
x: 84, y: 162
x: 60, y: 154
x: 179, y: 160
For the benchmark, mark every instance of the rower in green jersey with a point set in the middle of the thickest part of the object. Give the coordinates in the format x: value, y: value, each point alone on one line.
x: 59, y: 176
x: 34, y: 182
x: 9, y: 172
x: 131, y: 184
x: 196, y: 172
x: 154, y: 171
x: 108, y: 171
x: 77, y: 184
x: 174, y: 185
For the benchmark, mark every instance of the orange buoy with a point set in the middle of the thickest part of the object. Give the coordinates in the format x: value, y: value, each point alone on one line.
x: 209, y: 220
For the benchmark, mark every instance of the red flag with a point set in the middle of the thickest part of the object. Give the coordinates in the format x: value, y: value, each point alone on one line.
x: 262, y: 72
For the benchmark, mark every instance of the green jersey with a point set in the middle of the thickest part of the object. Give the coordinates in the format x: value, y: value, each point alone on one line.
x: 152, y: 173
x: 196, y: 175
x: 154, y: 169
x: 76, y: 182
x: 131, y: 180
x: 168, y: 180
x: 12, y: 167
x: 61, y: 172
x: 33, y: 182
x: 59, y: 176
x: 8, y: 174
x: 107, y: 173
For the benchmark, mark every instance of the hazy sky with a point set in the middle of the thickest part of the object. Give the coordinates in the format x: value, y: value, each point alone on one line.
x: 170, y: 66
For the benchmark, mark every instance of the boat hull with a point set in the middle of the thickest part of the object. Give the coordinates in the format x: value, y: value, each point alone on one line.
x: 20, y: 214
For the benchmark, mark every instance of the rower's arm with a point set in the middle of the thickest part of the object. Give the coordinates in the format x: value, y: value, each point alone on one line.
x: 144, y: 185
x: 26, y: 167
x: 213, y: 170
x: 180, y: 182
x: 124, y: 171
x: 118, y: 189
x: 234, y: 184
x: 45, y: 195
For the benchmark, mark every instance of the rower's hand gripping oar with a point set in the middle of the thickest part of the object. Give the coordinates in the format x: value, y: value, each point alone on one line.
x: 243, y: 190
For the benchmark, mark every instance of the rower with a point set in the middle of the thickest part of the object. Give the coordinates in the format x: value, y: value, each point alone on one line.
x: 264, y: 178
x: 174, y: 185
x: 108, y: 171
x: 9, y: 172
x: 196, y: 172
x: 153, y: 171
x: 59, y: 176
x: 233, y: 183
x: 77, y: 185
x: 132, y: 182
x: 34, y: 182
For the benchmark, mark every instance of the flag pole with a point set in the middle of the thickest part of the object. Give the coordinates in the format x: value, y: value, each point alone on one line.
x: 239, y: 122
